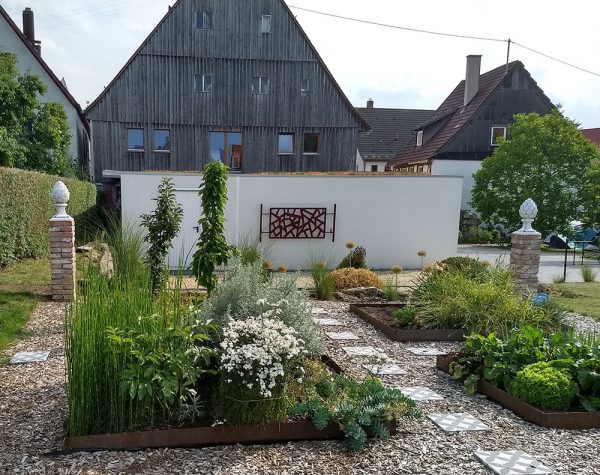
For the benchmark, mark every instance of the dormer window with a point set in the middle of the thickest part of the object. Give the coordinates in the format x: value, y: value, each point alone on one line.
x: 419, y: 138
x: 265, y: 24
x: 497, y: 132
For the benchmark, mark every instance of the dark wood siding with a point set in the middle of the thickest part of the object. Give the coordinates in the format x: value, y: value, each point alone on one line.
x: 156, y: 90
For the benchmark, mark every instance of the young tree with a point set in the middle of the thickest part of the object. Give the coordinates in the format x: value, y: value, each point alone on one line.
x: 212, y: 248
x: 545, y: 158
x: 592, y: 210
x: 33, y: 134
x: 163, y: 225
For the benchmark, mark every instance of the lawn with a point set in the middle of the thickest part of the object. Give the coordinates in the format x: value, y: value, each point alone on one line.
x: 22, y: 286
x: 582, y: 298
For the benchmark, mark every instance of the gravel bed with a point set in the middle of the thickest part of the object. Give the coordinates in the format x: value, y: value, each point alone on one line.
x: 33, y: 408
x: 582, y: 323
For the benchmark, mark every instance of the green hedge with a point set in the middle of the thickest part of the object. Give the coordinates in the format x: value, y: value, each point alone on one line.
x: 26, y: 207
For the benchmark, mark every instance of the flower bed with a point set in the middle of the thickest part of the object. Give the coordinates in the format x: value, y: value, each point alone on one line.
x: 379, y: 316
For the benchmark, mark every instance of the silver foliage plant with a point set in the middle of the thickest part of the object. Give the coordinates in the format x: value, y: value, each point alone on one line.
x: 240, y: 295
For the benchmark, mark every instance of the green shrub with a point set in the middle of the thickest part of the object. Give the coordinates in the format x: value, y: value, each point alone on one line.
x: 544, y: 386
x: 356, y: 258
x: 467, y: 266
x: 476, y: 235
x: 322, y: 280
x: 26, y: 207
x: 405, y: 316
x: 390, y: 291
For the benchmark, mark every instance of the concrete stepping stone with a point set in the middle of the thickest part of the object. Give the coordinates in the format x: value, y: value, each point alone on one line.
x: 363, y: 351
x: 420, y: 393
x: 318, y: 311
x: 426, y: 351
x: 456, y: 422
x: 328, y: 322
x: 512, y: 462
x: 24, y: 357
x: 384, y: 369
x: 342, y: 336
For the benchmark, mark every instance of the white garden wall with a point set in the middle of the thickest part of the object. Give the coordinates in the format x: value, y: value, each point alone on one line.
x: 392, y: 216
x: 462, y: 168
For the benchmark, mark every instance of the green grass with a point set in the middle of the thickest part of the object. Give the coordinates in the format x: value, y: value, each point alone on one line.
x: 15, y: 309
x: 580, y: 297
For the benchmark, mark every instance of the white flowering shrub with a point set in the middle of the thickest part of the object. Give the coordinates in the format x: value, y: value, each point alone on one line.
x: 255, y: 351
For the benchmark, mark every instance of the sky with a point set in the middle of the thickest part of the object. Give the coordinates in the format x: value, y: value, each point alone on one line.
x: 88, y: 41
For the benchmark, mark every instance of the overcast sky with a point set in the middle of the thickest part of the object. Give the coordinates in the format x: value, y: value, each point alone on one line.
x: 88, y: 41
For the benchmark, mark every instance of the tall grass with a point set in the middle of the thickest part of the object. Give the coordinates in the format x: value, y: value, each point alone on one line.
x: 96, y: 400
x: 587, y: 273
x: 319, y: 271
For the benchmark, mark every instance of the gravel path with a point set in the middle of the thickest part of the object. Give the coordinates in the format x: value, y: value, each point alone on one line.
x: 33, y: 408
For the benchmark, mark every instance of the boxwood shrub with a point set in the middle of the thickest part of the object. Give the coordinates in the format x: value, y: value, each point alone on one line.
x: 26, y: 207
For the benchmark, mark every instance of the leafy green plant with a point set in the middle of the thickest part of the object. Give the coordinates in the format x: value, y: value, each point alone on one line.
x: 545, y: 386
x: 587, y: 273
x: 212, y: 248
x: 467, y: 266
x: 390, y: 291
x: 163, y: 225
x: 360, y: 409
x: 405, y: 316
x: 356, y: 258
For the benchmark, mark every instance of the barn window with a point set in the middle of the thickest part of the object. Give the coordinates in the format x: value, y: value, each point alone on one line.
x: 304, y: 87
x: 419, y: 138
x: 203, y: 82
x: 285, y: 144
x: 260, y: 85
x: 265, y: 24
x: 227, y: 147
x: 311, y: 143
x: 498, y: 131
x: 204, y: 20
x: 162, y: 140
x: 135, y: 140
x: 374, y: 168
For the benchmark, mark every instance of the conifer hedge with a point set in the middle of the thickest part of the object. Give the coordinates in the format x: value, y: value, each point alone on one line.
x: 26, y: 207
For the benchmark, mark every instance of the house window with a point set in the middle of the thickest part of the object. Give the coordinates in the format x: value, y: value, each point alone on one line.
x: 227, y: 147
x: 265, y: 24
x: 498, y: 132
x: 135, y: 140
x: 374, y: 168
x: 285, y: 144
x: 162, y: 140
x: 204, y: 20
x: 260, y: 85
x: 420, y: 169
x: 304, y: 87
x: 311, y: 143
x: 203, y: 82
x: 419, y: 138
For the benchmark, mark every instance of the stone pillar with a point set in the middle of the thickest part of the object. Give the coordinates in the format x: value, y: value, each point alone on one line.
x: 525, y: 250
x: 62, y: 246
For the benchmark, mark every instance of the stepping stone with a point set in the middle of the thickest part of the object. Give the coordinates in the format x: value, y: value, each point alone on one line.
x: 318, y: 311
x: 363, y: 351
x: 342, y: 335
x: 426, y: 351
x: 456, y: 422
x: 420, y: 393
x: 327, y: 322
x: 29, y: 357
x: 512, y: 462
x: 384, y: 369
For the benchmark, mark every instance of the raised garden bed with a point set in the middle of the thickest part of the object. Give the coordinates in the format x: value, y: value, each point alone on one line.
x: 380, y: 316
x: 206, y: 436
x: 550, y: 419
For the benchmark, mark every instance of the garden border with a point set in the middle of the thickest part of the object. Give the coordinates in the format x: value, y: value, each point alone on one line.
x: 405, y: 335
x: 548, y: 419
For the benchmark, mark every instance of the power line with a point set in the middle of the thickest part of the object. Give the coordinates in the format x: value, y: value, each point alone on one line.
x: 555, y: 59
x: 396, y: 27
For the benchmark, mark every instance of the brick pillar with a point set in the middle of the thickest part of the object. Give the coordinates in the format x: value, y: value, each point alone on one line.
x: 525, y: 250
x: 62, y: 247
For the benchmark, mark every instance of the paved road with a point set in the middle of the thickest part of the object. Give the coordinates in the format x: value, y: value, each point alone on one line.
x: 551, y: 263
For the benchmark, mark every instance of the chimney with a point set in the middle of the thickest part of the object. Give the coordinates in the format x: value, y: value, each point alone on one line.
x: 29, y: 29
x: 370, y: 104
x: 472, y: 77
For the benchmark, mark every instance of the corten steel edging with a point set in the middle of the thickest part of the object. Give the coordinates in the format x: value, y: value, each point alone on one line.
x: 207, y: 436
x: 548, y: 419
x: 406, y: 335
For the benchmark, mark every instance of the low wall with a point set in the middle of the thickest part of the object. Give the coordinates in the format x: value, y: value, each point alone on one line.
x: 392, y: 216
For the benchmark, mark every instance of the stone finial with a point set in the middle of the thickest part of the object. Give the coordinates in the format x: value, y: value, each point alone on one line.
x: 60, y: 195
x: 528, y: 212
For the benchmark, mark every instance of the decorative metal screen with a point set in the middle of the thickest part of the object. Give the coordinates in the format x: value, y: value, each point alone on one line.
x: 298, y: 223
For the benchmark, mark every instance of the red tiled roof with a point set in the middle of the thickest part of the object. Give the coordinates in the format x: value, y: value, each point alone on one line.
x: 593, y: 135
x: 452, y: 110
